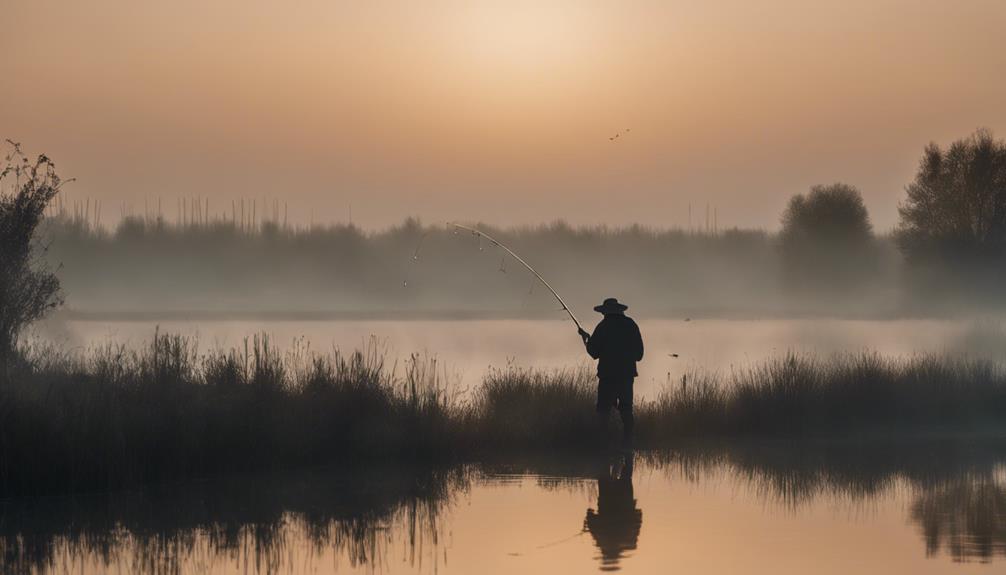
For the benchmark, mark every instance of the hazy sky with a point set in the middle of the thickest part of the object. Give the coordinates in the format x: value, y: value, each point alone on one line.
x: 497, y: 111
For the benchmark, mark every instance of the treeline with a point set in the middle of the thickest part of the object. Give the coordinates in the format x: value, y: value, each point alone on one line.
x: 156, y: 265
x: 952, y: 232
x: 947, y: 254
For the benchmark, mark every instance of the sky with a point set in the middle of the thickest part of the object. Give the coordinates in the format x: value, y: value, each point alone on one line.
x: 499, y: 112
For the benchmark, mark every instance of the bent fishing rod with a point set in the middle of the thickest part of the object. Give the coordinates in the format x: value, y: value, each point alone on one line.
x: 500, y: 244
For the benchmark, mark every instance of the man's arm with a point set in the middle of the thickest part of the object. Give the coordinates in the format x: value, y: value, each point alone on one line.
x: 639, y: 343
x: 595, y: 342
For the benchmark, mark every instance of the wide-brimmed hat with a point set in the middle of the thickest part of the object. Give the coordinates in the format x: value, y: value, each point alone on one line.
x: 611, y: 305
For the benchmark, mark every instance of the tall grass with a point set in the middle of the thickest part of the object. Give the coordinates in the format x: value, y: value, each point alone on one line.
x: 525, y: 408
x: 114, y: 416
x: 846, y: 393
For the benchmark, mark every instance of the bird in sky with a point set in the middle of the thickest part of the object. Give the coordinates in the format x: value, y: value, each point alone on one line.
x: 618, y: 134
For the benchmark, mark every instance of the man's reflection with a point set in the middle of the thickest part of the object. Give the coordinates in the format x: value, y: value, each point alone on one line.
x: 616, y: 523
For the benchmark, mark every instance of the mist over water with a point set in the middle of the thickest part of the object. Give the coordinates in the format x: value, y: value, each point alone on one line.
x: 227, y: 268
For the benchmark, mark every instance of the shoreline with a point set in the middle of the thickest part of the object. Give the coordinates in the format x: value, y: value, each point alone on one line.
x: 115, y: 417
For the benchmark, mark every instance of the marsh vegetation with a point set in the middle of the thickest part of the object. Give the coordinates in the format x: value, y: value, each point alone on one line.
x: 115, y: 416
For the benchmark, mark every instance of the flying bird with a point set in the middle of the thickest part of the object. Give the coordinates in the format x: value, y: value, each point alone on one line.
x: 617, y: 134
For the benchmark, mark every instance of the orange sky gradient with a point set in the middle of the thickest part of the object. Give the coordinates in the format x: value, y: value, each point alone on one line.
x: 497, y: 111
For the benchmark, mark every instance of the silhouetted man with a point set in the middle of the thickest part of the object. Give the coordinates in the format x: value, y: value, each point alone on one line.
x: 616, y: 523
x: 617, y: 345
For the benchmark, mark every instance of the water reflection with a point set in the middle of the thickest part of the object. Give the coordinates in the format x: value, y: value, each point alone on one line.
x: 616, y: 522
x: 951, y: 499
x: 254, y: 523
x: 965, y: 518
x: 957, y: 492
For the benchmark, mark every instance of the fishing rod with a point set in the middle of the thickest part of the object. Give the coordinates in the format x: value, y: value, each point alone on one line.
x: 495, y: 242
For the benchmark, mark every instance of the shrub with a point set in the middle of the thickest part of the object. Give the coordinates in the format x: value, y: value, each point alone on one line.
x: 27, y: 288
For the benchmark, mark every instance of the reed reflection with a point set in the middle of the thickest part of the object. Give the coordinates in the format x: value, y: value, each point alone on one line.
x: 256, y: 522
x: 965, y: 519
x: 957, y: 491
x: 956, y: 500
x: 616, y: 522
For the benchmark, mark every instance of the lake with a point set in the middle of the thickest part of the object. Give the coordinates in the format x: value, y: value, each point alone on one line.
x: 759, y: 508
x: 467, y: 348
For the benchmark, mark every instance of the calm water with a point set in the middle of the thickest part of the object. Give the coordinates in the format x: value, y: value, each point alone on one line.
x: 767, y: 509
x: 468, y: 348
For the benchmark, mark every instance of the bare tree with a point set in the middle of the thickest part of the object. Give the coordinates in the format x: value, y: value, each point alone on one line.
x: 28, y: 289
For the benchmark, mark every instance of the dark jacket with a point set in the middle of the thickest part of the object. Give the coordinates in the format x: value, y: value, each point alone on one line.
x: 618, y: 345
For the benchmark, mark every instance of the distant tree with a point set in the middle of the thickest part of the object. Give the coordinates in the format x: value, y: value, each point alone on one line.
x: 28, y: 290
x: 955, y: 212
x: 827, y: 239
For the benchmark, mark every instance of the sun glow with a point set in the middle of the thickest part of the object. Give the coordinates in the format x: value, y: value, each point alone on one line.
x: 520, y: 38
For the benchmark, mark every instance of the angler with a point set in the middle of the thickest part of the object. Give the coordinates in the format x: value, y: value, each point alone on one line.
x: 617, y: 345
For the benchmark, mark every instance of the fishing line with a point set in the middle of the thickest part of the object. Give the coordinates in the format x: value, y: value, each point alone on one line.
x: 480, y: 234
x: 579, y: 533
x: 527, y: 296
x: 415, y: 257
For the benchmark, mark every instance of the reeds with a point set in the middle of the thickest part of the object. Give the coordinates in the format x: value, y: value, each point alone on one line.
x: 525, y: 408
x: 114, y: 416
x: 800, y: 395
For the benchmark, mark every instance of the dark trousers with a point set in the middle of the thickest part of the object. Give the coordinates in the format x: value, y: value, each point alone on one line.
x: 616, y: 392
